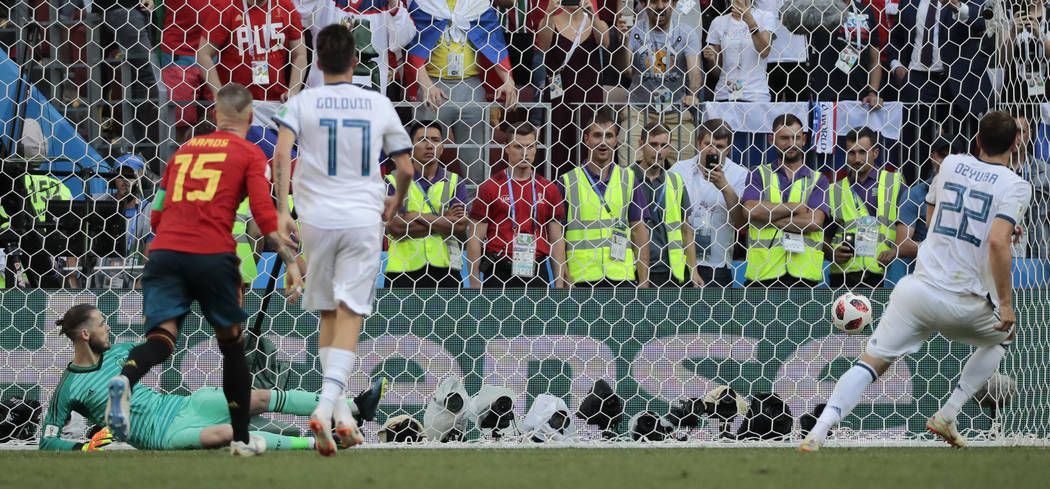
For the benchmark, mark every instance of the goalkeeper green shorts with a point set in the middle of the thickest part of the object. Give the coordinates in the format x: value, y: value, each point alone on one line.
x: 204, y: 408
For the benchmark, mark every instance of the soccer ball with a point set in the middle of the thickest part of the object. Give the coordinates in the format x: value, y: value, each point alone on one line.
x: 851, y: 313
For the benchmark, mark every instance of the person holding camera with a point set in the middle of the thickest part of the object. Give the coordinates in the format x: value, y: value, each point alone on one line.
x: 714, y: 183
x: 672, y: 261
x: 866, y: 229
x: 738, y: 46
x: 1022, y: 54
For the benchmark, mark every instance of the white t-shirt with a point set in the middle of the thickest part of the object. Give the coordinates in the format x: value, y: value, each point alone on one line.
x: 787, y: 47
x: 707, y: 201
x: 969, y: 195
x: 389, y: 32
x: 740, y: 61
x: 341, y: 129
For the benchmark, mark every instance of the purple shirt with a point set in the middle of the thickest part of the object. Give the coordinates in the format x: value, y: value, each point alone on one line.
x: 818, y: 199
x: 868, y: 191
x: 459, y: 197
x: 637, y: 211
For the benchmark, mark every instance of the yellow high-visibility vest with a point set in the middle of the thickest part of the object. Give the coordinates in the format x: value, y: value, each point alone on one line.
x: 846, y: 208
x: 766, y: 256
x: 589, y: 226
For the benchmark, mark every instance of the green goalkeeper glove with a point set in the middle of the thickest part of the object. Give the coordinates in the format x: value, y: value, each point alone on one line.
x: 99, y: 441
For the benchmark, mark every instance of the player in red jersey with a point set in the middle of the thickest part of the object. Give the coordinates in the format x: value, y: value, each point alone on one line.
x: 192, y: 258
x: 256, y: 40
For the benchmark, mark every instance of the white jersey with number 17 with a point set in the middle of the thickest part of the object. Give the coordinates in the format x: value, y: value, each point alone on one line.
x: 968, y: 195
x: 341, y: 129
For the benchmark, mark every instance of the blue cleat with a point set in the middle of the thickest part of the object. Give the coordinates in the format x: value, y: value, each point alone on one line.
x: 118, y: 408
x: 367, y: 402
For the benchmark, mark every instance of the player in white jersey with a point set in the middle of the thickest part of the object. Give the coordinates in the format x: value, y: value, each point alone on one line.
x: 339, y: 198
x: 961, y: 287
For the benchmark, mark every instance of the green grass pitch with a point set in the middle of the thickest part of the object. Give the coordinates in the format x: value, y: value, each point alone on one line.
x: 743, y: 468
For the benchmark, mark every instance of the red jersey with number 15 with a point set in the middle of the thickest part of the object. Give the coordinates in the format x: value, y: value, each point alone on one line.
x: 204, y: 183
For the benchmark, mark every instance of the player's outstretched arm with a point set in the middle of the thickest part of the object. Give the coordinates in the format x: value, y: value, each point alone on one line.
x: 1000, y: 261
x: 403, y: 176
x: 286, y: 227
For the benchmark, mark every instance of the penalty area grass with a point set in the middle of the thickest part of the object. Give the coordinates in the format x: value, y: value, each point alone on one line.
x: 555, y: 468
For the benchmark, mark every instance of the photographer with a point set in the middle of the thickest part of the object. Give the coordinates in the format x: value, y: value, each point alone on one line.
x: 1022, y: 54
x: 137, y: 210
x: 714, y: 184
x: 864, y: 206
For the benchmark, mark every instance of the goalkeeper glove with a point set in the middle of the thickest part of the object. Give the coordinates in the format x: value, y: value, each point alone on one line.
x: 98, y: 442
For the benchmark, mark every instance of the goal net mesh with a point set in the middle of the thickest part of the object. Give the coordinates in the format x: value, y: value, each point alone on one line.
x: 97, y: 96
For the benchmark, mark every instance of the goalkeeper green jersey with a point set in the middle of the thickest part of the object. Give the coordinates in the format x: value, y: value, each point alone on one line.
x: 85, y: 390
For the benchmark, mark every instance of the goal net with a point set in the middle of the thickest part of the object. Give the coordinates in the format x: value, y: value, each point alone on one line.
x: 870, y: 96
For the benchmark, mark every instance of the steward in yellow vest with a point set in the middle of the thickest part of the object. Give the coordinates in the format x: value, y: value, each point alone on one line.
x: 786, y: 205
x: 672, y: 256
x: 864, y: 206
x: 425, y: 240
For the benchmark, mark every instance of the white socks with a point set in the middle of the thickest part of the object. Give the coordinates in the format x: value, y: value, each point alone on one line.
x: 978, y: 369
x: 844, y: 398
x: 337, y: 364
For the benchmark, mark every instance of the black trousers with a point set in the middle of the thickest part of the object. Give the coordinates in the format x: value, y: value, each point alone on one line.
x: 863, y: 278
x: 789, y: 81
x: 663, y: 279
x: 499, y: 274
x: 787, y: 281
x: 426, y: 277
x: 722, y: 277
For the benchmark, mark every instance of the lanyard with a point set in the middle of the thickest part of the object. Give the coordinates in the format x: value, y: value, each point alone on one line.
x: 663, y: 193
x: 251, y: 32
x: 856, y: 27
x: 575, y: 43
x: 595, y: 189
x: 426, y: 195
x: 532, y: 206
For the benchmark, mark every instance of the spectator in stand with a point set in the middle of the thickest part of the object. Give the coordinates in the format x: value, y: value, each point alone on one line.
x: 865, y: 231
x: 518, y: 214
x: 450, y: 60
x: 913, y: 209
x: 186, y: 22
x: 1023, y: 47
x: 425, y: 238
x: 786, y: 205
x: 672, y: 256
x: 788, y: 73
x: 1034, y: 239
x: 128, y: 193
x: 573, y: 38
x: 130, y: 23
x: 939, y: 59
x: 606, y: 240
x: 665, y: 72
x: 714, y: 183
x: 255, y: 48
x: 379, y: 27
x: 847, y: 65
x: 738, y: 46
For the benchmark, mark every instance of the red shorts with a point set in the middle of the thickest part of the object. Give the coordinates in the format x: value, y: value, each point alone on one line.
x: 185, y: 84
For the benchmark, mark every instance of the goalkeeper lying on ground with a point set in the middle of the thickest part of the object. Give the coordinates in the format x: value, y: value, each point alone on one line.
x: 162, y: 422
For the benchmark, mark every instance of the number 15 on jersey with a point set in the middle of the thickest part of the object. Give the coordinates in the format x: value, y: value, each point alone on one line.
x: 333, y: 126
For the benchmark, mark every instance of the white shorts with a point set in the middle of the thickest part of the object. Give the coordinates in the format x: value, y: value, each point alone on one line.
x: 917, y: 310
x: 341, y: 266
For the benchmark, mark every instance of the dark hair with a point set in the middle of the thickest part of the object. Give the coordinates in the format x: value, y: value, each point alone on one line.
x: 653, y: 129
x: 996, y: 133
x: 786, y: 120
x: 335, y: 49
x: 603, y: 116
x: 74, y: 319
x: 417, y: 126
x: 521, y: 129
x: 716, y: 128
x: 233, y: 99
x: 856, y: 134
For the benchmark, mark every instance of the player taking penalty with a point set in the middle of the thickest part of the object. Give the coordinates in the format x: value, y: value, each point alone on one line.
x: 339, y: 199
x: 193, y: 258
x: 961, y: 287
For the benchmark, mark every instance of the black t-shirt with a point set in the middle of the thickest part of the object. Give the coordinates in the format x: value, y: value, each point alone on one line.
x: 859, y: 30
